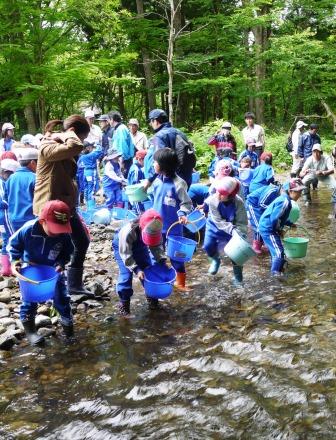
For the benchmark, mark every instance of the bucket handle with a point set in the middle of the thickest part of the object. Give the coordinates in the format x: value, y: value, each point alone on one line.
x: 23, y: 278
x: 178, y: 223
x: 298, y: 227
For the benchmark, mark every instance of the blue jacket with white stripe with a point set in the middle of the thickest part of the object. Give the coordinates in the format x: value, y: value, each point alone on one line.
x: 276, y: 215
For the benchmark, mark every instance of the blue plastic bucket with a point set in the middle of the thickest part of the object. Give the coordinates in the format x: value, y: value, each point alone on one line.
x: 47, y: 277
x: 197, y: 220
x: 102, y: 217
x: 180, y: 248
x: 159, y: 281
x: 196, y: 177
x: 122, y: 214
x: 86, y: 215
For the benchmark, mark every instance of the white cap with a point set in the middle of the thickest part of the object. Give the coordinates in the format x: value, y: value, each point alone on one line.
x: 317, y: 147
x: 28, y: 139
x: 28, y: 154
x: 9, y: 165
x: 7, y: 126
x: 301, y: 124
x: 133, y: 121
x: 89, y: 114
x: 227, y: 125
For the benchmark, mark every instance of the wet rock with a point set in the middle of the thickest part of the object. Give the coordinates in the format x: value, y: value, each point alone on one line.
x: 46, y: 331
x: 91, y: 304
x: 6, y: 322
x: 4, y: 313
x: 5, y: 296
x: 8, y: 283
x: 54, y: 320
x: 43, y: 310
x: 7, y: 340
x: 78, y: 298
x: 81, y: 307
x: 42, y: 321
x: 2, y: 329
x: 97, y: 289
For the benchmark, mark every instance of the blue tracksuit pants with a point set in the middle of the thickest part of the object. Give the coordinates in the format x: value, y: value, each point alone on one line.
x: 214, y: 239
x: 89, y: 184
x: 113, y: 194
x: 61, y: 302
x: 142, y: 258
x: 273, y: 241
x: 254, y: 215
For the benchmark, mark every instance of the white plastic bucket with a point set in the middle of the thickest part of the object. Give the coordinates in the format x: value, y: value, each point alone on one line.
x: 239, y: 250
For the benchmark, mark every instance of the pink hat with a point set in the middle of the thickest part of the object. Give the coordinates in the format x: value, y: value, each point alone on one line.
x: 228, y: 186
x: 151, y: 227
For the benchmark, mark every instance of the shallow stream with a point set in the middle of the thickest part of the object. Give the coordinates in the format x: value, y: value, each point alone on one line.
x: 216, y: 363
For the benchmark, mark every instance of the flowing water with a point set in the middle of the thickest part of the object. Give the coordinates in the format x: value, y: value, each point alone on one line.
x: 217, y: 363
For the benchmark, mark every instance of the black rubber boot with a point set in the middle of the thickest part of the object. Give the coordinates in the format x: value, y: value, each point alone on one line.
x: 237, y: 275
x: 32, y: 336
x: 68, y: 330
x: 153, y: 303
x: 75, y: 282
x: 124, y: 308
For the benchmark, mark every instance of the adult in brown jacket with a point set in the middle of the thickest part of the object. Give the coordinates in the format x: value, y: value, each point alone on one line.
x: 56, y: 180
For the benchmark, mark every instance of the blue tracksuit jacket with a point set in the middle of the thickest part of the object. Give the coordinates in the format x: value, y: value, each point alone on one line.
x: 306, y: 142
x: 122, y: 141
x: 106, y: 139
x: 89, y: 161
x: 263, y: 175
x: 198, y: 193
x: 3, y: 203
x: 135, y: 174
x: 19, y: 194
x: 31, y: 244
x: 275, y: 217
x: 252, y: 155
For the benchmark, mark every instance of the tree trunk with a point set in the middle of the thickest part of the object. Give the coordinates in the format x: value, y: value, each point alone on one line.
x: 169, y: 62
x: 147, y: 64
x: 29, y: 113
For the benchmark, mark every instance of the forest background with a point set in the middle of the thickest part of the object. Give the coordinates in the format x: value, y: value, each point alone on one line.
x: 204, y: 61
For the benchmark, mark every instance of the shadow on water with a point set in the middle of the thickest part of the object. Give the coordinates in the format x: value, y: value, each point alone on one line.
x: 253, y: 363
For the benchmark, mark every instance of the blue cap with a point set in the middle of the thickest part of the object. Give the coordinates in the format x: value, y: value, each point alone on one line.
x: 156, y: 113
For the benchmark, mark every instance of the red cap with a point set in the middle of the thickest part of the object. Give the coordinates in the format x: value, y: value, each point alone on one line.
x: 8, y: 155
x: 265, y: 155
x: 57, y: 216
x: 140, y: 154
x: 151, y: 227
x: 228, y: 186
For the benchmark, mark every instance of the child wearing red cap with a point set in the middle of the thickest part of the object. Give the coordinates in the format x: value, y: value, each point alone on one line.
x: 131, y: 246
x: 45, y: 241
x: 226, y: 215
x: 263, y: 175
x: 135, y: 175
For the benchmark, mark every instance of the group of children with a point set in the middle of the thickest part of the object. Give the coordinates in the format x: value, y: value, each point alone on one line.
x: 241, y: 191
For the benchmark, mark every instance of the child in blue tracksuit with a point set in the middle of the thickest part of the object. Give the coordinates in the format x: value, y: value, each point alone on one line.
x: 198, y: 193
x: 274, y: 218
x: 135, y: 175
x: 256, y: 203
x: 245, y: 174
x: 226, y: 215
x: 113, y: 180
x: 45, y: 241
x: 263, y: 175
x: 19, y: 190
x: 171, y: 200
x: 88, y: 161
x: 7, y: 168
x: 132, y: 247
x: 250, y: 152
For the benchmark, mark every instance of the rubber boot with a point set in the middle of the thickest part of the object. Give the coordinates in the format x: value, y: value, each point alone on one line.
x: 256, y: 245
x: 306, y: 196
x: 214, y: 266
x: 237, y: 275
x: 180, y: 282
x: 68, y: 329
x: 6, y: 269
x: 153, y: 303
x: 75, y: 282
x: 32, y: 336
x: 124, y: 308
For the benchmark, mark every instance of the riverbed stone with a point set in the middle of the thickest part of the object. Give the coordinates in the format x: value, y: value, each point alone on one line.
x: 42, y: 321
x: 46, y: 331
x: 6, y: 322
x: 4, y: 312
x: 5, y: 296
x: 2, y: 329
x: 91, y: 304
x: 78, y: 298
x: 43, y: 310
x: 8, y: 283
x: 54, y: 320
x: 7, y: 340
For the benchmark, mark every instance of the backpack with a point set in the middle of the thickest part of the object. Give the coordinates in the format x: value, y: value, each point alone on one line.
x: 185, y: 153
x: 289, y: 144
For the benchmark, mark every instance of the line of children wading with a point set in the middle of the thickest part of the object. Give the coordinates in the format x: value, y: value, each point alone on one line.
x: 242, y: 193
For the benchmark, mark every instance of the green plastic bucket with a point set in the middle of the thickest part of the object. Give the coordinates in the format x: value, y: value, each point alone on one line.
x: 296, y: 247
x: 239, y: 250
x: 136, y: 193
x: 294, y: 214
